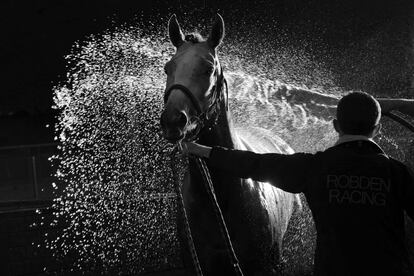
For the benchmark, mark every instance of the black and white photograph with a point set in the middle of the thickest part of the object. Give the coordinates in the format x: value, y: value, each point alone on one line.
x: 207, y: 138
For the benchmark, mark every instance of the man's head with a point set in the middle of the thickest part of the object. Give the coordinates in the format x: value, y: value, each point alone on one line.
x: 358, y: 113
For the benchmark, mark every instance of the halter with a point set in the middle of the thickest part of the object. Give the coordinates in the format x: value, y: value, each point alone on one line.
x: 211, y: 114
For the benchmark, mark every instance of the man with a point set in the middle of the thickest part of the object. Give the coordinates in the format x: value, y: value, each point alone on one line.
x: 357, y: 194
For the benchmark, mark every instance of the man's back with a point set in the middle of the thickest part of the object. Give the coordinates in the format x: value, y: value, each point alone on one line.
x: 356, y: 196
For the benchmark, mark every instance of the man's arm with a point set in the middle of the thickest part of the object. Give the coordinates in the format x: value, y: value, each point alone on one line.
x: 288, y: 172
x: 405, y: 106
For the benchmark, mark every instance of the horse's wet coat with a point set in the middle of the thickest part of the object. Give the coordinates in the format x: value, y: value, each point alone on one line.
x: 256, y: 214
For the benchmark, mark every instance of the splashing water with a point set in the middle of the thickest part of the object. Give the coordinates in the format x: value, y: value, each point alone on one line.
x: 113, y: 160
x: 118, y: 208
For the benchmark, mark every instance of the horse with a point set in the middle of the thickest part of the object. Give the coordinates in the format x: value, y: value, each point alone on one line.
x: 196, y: 107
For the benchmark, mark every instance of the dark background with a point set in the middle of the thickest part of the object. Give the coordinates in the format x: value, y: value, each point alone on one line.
x: 366, y: 44
x: 36, y: 35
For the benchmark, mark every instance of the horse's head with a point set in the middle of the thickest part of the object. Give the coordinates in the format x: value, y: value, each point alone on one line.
x: 193, y: 77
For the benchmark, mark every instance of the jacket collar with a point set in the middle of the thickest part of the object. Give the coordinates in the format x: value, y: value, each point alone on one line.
x: 349, y: 138
x: 345, y: 139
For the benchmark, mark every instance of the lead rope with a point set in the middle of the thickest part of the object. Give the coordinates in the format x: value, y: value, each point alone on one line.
x: 219, y: 216
x: 184, y: 217
x: 217, y: 211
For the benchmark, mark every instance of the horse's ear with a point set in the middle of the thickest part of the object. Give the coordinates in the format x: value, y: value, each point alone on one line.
x: 217, y: 32
x: 174, y: 31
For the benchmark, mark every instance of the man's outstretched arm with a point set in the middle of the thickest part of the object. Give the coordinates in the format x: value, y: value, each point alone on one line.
x: 405, y: 106
x: 288, y: 172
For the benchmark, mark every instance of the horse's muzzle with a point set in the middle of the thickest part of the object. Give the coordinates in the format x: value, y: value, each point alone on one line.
x: 173, y: 125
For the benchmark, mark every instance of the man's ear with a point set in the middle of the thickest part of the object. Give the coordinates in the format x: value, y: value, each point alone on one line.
x: 376, y: 130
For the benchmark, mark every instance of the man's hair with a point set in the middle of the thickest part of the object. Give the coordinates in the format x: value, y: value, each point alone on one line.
x: 358, y: 113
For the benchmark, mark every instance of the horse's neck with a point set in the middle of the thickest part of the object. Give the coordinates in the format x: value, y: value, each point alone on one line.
x: 220, y: 134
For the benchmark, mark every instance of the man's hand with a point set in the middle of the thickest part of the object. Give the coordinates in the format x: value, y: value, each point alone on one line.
x: 195, y: 149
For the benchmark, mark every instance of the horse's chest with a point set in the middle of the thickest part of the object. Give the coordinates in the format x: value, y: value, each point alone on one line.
x: 196, y: 194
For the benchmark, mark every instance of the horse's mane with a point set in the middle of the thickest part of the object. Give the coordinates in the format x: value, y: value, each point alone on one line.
x: 194, y: 37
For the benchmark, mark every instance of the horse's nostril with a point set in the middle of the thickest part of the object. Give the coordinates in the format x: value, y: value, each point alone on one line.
x: 178, y: 120
x: 181, y: 119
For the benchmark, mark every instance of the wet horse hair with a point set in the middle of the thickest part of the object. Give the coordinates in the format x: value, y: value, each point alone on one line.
x: 194, y: 38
